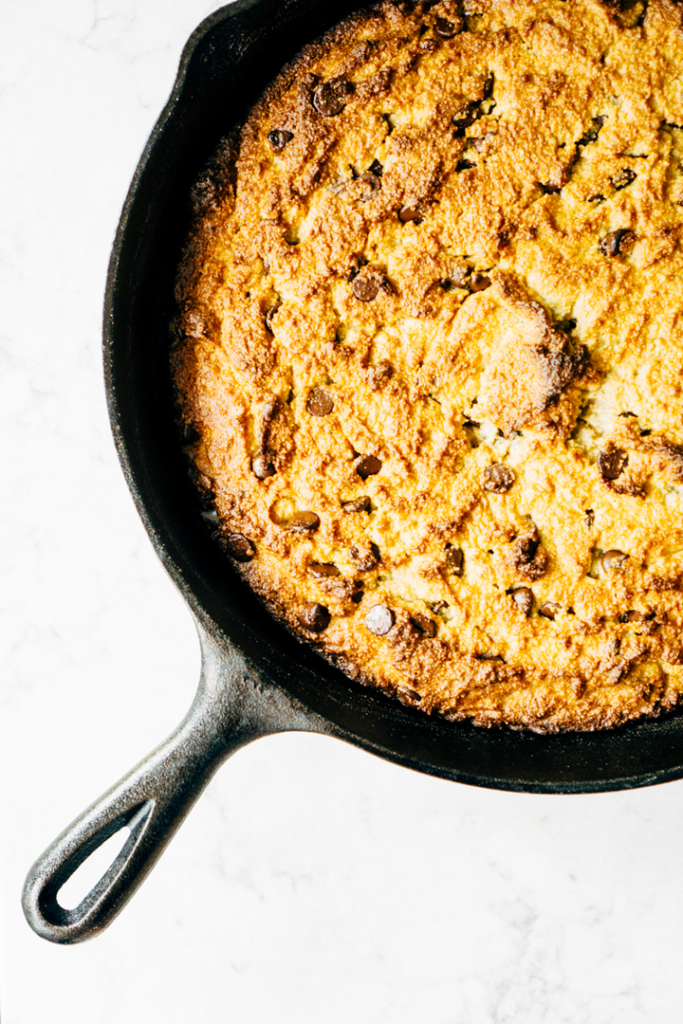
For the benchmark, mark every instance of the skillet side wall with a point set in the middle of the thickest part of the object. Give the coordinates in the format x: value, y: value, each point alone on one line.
x: 227, y: 63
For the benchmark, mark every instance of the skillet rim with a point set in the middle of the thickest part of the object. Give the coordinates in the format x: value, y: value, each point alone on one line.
x: 518, y: 761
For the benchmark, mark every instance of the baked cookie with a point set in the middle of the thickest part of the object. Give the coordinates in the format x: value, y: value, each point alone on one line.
x: 429, y: 355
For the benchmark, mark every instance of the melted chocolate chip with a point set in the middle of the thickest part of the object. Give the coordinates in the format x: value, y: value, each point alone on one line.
x: 465, y: 116
x: 527, y: 546
x: 366, y: 287
x: 407, y: 696
x: 379, y: 374
x: 366, y: 557
x: 425, y: 624
x: 329, y: 100
x: 524, y: 599
x: 320, y: 402
x: 625, y: 176
x: 373, y: 183
x: 455, y: 559
x: 612, y: 464
x: 498, y: 479
x: 262, y: 467
x: 239, y: 547
x: 618, y: 243
x: 368, y: 465
x: 304, y: 522
x: 323, y: 570
x: 361, y: 504
x: 549, y: 610
x: 279, y: 138
x: 268, y: 317
x: 479, y: 283
x: 410, y: 214
x: 593, y: 132
x: 379, y: 620
x: 444, y: 28
x: 613, y: 561
x: 314, y: 617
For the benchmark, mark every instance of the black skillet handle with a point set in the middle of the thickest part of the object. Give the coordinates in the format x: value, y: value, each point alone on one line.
x: 232, y: 707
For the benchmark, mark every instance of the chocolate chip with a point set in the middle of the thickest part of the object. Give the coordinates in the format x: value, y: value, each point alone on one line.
x: 366, y: 287
x: 465, y: 116
x: 262, y: 467
x: 323, y: 570
x: 632, y: 616
x: 524, y: 599
x: 376, y: 168
x: 455, y: 559
x: 612, y: 464
x: 444, y: 28
x: 379, y: 620
x: 329, y: 100
x: 211, y: 516
x: 424, y: 624
x: 410, y: 214
x: 314, y: 617
x: 407, y: 696
x: 239, y: 547
x: 304, y: 522
x: 361, y: 504
x: 194, y: 324
x: 342, y: 87
x: 613, y: 561
x: 379, y: 374
x: 498, y: 479
x: 365, y: 558
x: 373, y: 183
x: 368, y: 465
x: 549, y: 610
x: 592, y: 133
x: 479, y: 283
x: 618, y: 243
x: 429, y: 45
x: 625, y: 176
x: 527, y: 546
x: 279, y: 138
x: 268, y: 316
x: 320, y: 402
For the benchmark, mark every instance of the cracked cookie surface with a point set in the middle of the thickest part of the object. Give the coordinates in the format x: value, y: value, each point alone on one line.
x: 429, y: 355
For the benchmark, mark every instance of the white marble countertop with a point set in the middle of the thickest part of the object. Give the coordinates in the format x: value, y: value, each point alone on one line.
x: 313, y: 882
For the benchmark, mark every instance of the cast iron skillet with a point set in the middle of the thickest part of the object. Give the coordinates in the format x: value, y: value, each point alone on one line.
x: 256, y: 677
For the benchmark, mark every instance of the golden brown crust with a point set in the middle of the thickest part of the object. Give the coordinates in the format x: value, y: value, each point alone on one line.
x: 429, y: 354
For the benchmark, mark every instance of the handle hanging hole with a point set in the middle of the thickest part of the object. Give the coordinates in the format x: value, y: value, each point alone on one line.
x: 86, y: 877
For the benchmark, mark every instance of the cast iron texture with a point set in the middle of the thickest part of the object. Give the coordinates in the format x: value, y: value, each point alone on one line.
x: 257, y: 678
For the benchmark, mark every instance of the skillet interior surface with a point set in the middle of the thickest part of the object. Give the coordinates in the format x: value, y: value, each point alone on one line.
x: 227, y: 63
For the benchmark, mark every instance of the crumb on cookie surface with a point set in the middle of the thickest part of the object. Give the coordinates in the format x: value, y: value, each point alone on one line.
x: 429, y: 355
